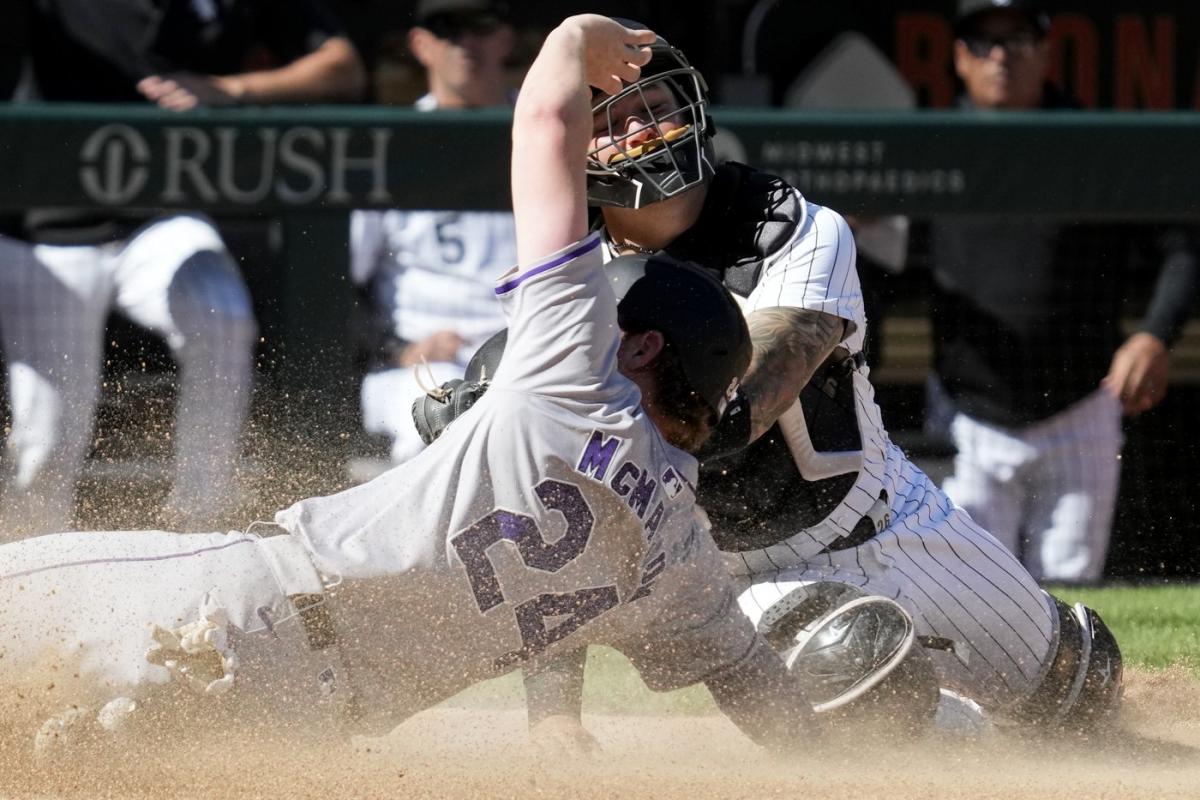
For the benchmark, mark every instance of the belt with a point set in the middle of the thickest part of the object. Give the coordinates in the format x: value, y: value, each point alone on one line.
x: 301, y: 582
x: 319, y: 630
x: 878, y: 517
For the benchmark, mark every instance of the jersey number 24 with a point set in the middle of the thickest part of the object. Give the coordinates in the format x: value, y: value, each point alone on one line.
x: 575, y: 608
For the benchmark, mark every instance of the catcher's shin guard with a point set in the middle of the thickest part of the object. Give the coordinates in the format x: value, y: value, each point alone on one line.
x: 1082, y: 686
x: 856, y: 655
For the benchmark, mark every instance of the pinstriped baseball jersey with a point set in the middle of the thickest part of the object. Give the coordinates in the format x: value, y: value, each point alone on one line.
x: 427, y: 272
x: 814, y: 269
x: 791, y: 509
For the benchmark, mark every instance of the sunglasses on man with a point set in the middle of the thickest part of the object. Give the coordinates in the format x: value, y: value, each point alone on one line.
x: 1015, y: 44
x: 453, y: 27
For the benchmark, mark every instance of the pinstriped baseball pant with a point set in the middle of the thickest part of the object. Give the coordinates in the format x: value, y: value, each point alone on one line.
x: 173, y: 277
x: 959, y: 584
x: 1046, y: 491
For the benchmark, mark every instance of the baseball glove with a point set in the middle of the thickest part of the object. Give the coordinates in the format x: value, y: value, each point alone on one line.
x: 435, y: 410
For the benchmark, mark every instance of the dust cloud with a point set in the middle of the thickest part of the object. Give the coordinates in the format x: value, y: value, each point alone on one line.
x: 451, y: 752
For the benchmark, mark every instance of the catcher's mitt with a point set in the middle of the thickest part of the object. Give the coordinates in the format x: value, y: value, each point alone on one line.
x: 435, y: 410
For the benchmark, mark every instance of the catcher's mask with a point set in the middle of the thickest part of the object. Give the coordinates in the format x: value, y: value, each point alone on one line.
x: 673, y: 160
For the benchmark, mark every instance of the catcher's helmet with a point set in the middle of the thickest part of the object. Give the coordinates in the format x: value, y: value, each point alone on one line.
x: 672, y: 162
x: 687, y: 304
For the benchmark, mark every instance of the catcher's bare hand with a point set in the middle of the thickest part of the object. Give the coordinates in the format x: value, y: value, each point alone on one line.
x: 1139, y: 373
x: 613, y: 54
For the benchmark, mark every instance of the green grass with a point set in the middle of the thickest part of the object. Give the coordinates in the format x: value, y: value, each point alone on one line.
x: 1156, y: 626
x: 611, y: 686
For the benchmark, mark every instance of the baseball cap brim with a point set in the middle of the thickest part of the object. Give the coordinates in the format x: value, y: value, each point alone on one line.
x: 471, y: 8
x: 971, y: 11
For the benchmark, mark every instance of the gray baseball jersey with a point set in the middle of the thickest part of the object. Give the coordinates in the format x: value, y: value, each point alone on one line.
x: 552, y: 514
x: 554, y: 504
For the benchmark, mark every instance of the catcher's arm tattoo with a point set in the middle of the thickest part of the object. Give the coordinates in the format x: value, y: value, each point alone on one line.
x: 789, y: 345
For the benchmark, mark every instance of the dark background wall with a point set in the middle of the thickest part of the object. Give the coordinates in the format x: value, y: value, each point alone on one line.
x: 1110, y: 53
x: 12, y: 43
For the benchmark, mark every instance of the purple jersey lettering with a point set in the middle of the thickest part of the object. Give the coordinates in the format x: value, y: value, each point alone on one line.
x: 597, y: 455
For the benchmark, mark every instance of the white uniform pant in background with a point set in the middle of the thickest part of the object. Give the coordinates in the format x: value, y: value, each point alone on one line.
x: 1047, y: 491
x: 958, y: 583
x: 173, y: 277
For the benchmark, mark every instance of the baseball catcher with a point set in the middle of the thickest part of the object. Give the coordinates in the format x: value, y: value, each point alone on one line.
x: 801, y: 486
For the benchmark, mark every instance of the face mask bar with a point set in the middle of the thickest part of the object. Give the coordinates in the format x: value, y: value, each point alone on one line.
x: 665, y: 165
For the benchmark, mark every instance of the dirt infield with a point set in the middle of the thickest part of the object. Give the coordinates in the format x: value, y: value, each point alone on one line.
x: 457, y: 752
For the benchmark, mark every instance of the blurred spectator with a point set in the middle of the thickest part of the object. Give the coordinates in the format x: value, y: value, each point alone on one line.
x: 170, y: 273
x: 1032, y: 370
x: 428, y: 275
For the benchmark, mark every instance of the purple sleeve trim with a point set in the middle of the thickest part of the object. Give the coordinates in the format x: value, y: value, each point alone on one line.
x: 590, y: 243
x: 125, y: 560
